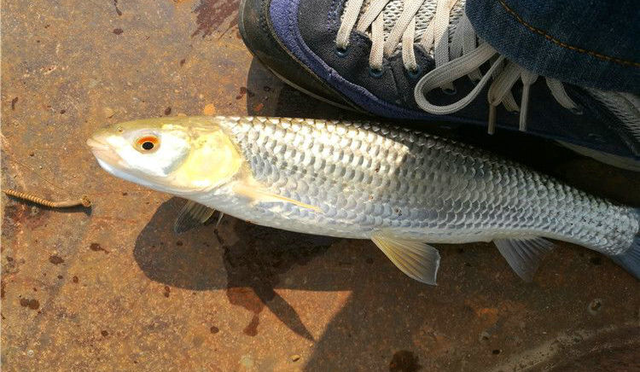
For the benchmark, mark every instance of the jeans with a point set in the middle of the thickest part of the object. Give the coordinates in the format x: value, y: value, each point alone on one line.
x: 591, y: 43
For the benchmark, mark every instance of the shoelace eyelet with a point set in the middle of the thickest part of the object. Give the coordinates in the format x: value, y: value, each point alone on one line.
x: 414, y: 74
x: 449, y: 92
x: 375, y: 73
x: 342, y: 52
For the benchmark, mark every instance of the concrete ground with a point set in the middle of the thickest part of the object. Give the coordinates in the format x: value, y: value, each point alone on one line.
x: 114, y: 289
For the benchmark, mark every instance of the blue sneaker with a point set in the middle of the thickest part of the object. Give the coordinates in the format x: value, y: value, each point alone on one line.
x: 421, y: 60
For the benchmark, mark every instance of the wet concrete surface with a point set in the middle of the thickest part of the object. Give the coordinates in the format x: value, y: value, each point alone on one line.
x: 114, y: 288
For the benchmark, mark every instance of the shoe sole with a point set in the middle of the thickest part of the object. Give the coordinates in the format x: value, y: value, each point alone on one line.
x: 320, y: 98
x: 603, y: 157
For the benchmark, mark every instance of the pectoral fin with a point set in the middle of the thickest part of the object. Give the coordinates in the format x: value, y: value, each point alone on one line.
x: 524, y: 255
x: 416, y: 259
x: 260, y: 195
x: 192, y: 215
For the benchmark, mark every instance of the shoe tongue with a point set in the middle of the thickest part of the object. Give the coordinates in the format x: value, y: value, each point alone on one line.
x: 393, y: 10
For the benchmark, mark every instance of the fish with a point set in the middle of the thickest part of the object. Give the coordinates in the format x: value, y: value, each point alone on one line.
x: 402, y: 189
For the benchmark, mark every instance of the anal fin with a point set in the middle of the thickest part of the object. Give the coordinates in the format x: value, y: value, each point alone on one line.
x: 414, y: 258
x: 524, y: 255
x: 192, y: 215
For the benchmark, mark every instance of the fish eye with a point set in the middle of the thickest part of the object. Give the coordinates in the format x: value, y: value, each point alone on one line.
x: 147, y: 144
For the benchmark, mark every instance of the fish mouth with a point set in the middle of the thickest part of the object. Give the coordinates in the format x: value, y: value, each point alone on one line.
x: 106, y: 156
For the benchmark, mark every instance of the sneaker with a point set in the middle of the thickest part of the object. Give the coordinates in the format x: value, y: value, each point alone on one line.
x: 381, y: 58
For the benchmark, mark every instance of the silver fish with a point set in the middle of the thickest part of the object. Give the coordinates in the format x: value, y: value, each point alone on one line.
x: 397, y: 187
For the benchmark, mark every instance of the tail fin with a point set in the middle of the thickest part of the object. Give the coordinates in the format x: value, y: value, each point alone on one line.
x: 630, y: 260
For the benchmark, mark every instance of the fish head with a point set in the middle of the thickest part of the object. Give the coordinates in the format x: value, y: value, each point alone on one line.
x: 181, y: 155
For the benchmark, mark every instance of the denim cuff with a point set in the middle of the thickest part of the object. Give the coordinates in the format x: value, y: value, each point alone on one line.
x: 588, y: 43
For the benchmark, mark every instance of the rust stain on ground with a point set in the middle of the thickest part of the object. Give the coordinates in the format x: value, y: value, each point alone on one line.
x: 56, y: 260
x: 32, y: 304
x: 115, y: 3
x: 252, y: 328
x: 209, y: 109
x: 115, y: 219
x: 97, y: 248
x: 24, y: 213
x: 214, y: 13
x: 247, y: 298
x: 257, y: 108
x: 244, y: 91
x: 488, y: 313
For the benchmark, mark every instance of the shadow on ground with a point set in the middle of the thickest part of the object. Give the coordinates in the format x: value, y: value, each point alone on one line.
x: 253, y: 263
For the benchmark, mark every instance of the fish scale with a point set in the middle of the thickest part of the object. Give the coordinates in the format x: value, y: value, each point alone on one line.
x: 367, y: 178
x: 400, y: 188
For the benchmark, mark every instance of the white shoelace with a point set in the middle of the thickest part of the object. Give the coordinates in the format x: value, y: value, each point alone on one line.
x: 461, y: 56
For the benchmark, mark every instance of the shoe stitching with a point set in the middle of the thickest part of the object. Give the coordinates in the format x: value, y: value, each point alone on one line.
x: 333, y: 10
x: 563, y: 44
